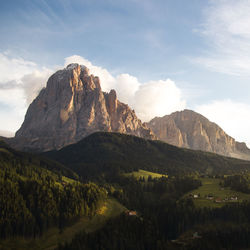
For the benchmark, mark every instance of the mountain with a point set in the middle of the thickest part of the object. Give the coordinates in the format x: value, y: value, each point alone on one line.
x: 71, y: 107
x: 113, y: 152
x: 192, y: 130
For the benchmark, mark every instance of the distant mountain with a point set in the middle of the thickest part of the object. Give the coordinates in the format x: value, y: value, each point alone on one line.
x: 113, y: 152
x: 192, y: 130
x: 71, y: 107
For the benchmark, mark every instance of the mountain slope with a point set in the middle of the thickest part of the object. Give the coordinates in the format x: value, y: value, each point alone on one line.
x: 191, y: 130
x: 104, y: 152
x: 71, y: 107
x: 35, y: 195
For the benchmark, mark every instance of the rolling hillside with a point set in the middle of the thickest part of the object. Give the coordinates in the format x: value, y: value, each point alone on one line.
x: 111, y: 152
x: 37, y: 194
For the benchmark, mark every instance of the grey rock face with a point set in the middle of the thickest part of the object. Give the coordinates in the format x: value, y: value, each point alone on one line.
x: 71, y: 107
x: 191, y: 130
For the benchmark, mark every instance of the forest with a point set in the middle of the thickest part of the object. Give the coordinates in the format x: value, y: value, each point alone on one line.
x: 34, y: 198
x: 57, y: 188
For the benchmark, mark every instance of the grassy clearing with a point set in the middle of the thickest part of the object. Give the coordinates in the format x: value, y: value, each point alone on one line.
x: 110, y: 208
x: 211, y: 186
x: 142, y: 173
x: 66, y: 180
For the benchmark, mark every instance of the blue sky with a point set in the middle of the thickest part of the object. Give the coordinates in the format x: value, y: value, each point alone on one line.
x: 191, y: 54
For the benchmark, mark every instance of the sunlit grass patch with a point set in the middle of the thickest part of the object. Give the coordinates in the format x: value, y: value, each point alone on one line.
x: 145, y: 174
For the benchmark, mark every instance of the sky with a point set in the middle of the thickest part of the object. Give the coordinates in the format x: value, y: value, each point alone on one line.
x: 159, y: 55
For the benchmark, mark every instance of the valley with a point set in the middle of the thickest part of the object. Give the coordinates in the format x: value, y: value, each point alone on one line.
x: 125, y: 125
x: 83, y: 190
x: 84, y: 172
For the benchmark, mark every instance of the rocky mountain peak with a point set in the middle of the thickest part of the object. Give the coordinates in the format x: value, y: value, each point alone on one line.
x: 192, y: 130
x: 71, y: 107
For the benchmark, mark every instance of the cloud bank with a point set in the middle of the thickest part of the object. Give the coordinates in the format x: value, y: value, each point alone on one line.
x: 226, y: 31
x: 20, y: 82
x: 232, y: 117
x: 148, y: 99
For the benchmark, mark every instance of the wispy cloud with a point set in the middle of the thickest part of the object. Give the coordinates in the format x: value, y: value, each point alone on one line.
x: 227, y: 33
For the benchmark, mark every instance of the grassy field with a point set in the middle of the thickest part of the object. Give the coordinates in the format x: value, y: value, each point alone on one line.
x: 110, y: 208
x: 142, y: 173
x: 211, y: 186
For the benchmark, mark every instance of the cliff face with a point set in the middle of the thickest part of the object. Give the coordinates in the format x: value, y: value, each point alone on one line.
x: 191, y: 130
x: 71, y: 107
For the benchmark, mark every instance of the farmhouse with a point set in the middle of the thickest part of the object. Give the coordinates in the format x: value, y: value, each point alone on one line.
x: 131, y: 213
x: 218, y: 200
x: 210, y: 197
x: 234, y: 198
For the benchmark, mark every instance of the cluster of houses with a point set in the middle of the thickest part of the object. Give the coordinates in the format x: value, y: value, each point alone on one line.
x: 215, y: 199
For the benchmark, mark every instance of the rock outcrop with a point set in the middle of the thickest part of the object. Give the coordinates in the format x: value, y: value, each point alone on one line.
x: 191, y: 130
x: 71, y: 107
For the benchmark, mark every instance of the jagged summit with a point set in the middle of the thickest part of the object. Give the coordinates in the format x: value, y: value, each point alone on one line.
x: 192, y: 130
x: 71, y: 107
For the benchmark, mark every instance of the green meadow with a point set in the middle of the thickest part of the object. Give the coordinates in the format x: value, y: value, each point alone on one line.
x: 145, y: 174
x: 210, y: 186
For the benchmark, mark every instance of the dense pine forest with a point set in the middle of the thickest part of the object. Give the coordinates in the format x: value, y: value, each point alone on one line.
x: 34, y: 198
x: 58, y: 188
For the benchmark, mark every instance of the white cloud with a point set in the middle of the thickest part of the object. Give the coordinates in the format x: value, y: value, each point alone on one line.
x: 6, y: 133
x: 20, y: 81
x: 150, y: 99
x: 14, y: 68
x: 127, y: 86
x: 32, y: 83
x: 226, y: 28
x: 158, y: 98
x: 232, y: 117
x: 12, y: 109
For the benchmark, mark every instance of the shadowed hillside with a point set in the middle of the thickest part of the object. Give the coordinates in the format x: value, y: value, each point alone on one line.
x: 103, y: 152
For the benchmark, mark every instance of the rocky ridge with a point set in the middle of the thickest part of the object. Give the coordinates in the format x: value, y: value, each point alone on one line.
x: 191, y: 130
x: 71, y: 107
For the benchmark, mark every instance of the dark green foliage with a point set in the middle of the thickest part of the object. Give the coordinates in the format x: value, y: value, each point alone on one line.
x: 161, y: 219
x: 34, y: 198
x: 10, y: 156
x: 222, y: 236
x: 155, y: 203
x: 238, y: 183
x: 122, y: 233
x: 109, y: 153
